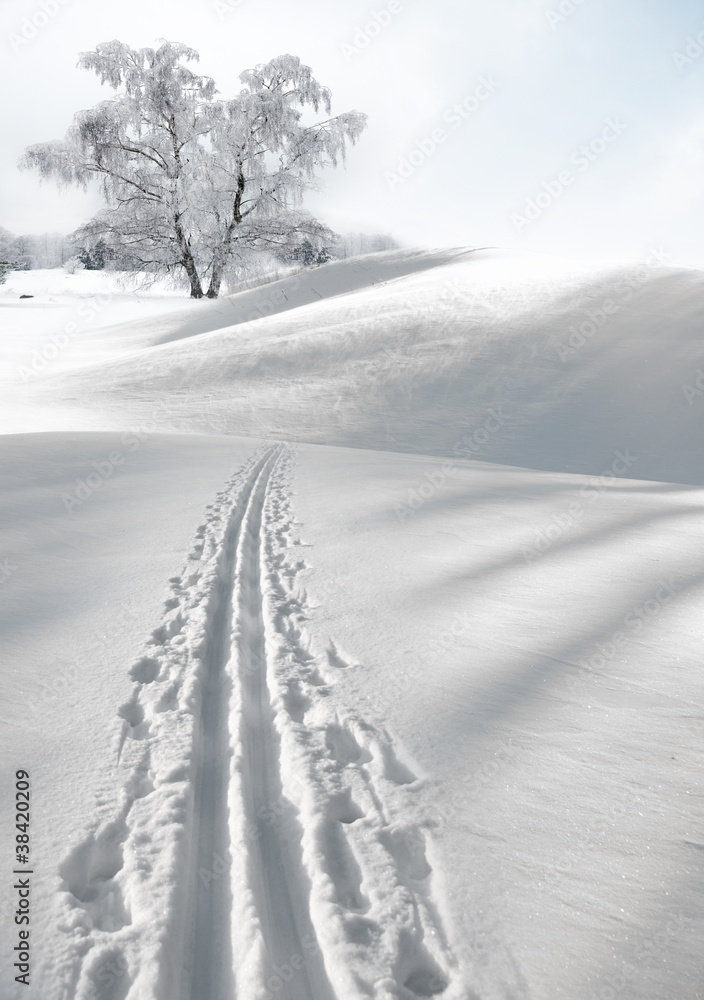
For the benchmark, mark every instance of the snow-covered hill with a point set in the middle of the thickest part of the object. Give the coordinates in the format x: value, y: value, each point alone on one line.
x: 453, y: 354
x: 350, y: 632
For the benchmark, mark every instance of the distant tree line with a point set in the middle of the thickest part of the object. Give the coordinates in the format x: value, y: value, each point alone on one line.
x: 24, y: 253
x: 319, y: 251
x: 33, y: 251
x: 70, y: 251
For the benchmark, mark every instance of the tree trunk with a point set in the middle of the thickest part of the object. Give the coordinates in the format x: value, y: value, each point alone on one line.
x: 215, y: 280
x: 196, y: 287
x: 219, y: 262
x: 224, y: 248
x: 190, y: 268
x: 189, y: 265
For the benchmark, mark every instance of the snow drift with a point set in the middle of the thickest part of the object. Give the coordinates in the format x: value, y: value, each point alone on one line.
x: 460, y: 355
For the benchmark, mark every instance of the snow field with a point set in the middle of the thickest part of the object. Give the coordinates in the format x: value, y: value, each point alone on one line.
x: 528, y: 633
x: 170, y: 875
x: 476, y: 355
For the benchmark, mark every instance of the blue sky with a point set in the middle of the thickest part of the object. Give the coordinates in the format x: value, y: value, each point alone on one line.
x: 539, y: 80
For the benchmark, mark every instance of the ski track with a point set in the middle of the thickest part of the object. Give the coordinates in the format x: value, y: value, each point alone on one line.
x: 266, y: 842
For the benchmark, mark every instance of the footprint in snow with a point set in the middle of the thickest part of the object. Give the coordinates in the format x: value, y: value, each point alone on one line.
x: 343, y: 746
x: 133, y: 714
x: 297, y: 703
x: 340, y: 863
x: 89, y: 872
x: 406, y: 845
x: 145, y: 670
x: 394, y: 769
x: 416, y: 970
x: 337, y: 659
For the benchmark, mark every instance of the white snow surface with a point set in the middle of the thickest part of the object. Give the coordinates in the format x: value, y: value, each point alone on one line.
x: 351, y: 632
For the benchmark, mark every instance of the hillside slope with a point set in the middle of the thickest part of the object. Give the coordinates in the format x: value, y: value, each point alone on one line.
x: 472, y: 357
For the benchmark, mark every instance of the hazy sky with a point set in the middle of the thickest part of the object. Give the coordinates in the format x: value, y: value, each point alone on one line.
x: 592, y: 111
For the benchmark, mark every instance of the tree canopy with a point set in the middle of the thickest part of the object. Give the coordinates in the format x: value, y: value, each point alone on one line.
x: 189, y: 178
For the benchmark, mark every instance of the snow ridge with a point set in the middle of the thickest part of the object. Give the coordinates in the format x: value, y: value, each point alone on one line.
x: 266, y: 841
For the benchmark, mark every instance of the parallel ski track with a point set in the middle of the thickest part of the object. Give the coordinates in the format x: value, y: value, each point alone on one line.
x: 277, y: 878
x: 211, y: 974
x: 275, y: 853
x: 236, y: 710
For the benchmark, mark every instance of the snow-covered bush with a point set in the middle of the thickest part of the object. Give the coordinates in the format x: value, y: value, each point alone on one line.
x: 74, y: 264
x: 5, y: 267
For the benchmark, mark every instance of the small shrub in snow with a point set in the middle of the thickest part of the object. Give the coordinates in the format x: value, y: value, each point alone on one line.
x: 5, y: 267
x: 74, y: 264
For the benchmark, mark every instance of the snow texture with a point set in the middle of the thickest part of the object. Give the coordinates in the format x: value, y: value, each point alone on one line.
x: 351, y: 632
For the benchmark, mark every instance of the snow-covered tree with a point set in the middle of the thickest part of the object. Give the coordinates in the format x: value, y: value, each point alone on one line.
x: 8, y: 253
x: 306, y: 253
x: 96, y: 258
x: 5, y: 267
x: 8, y: 244
x: 353, y: 244
x: 189, y: 178
x: 35, y: 250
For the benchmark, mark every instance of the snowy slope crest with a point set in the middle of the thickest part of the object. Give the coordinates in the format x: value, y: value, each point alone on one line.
x: 525, y: 362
